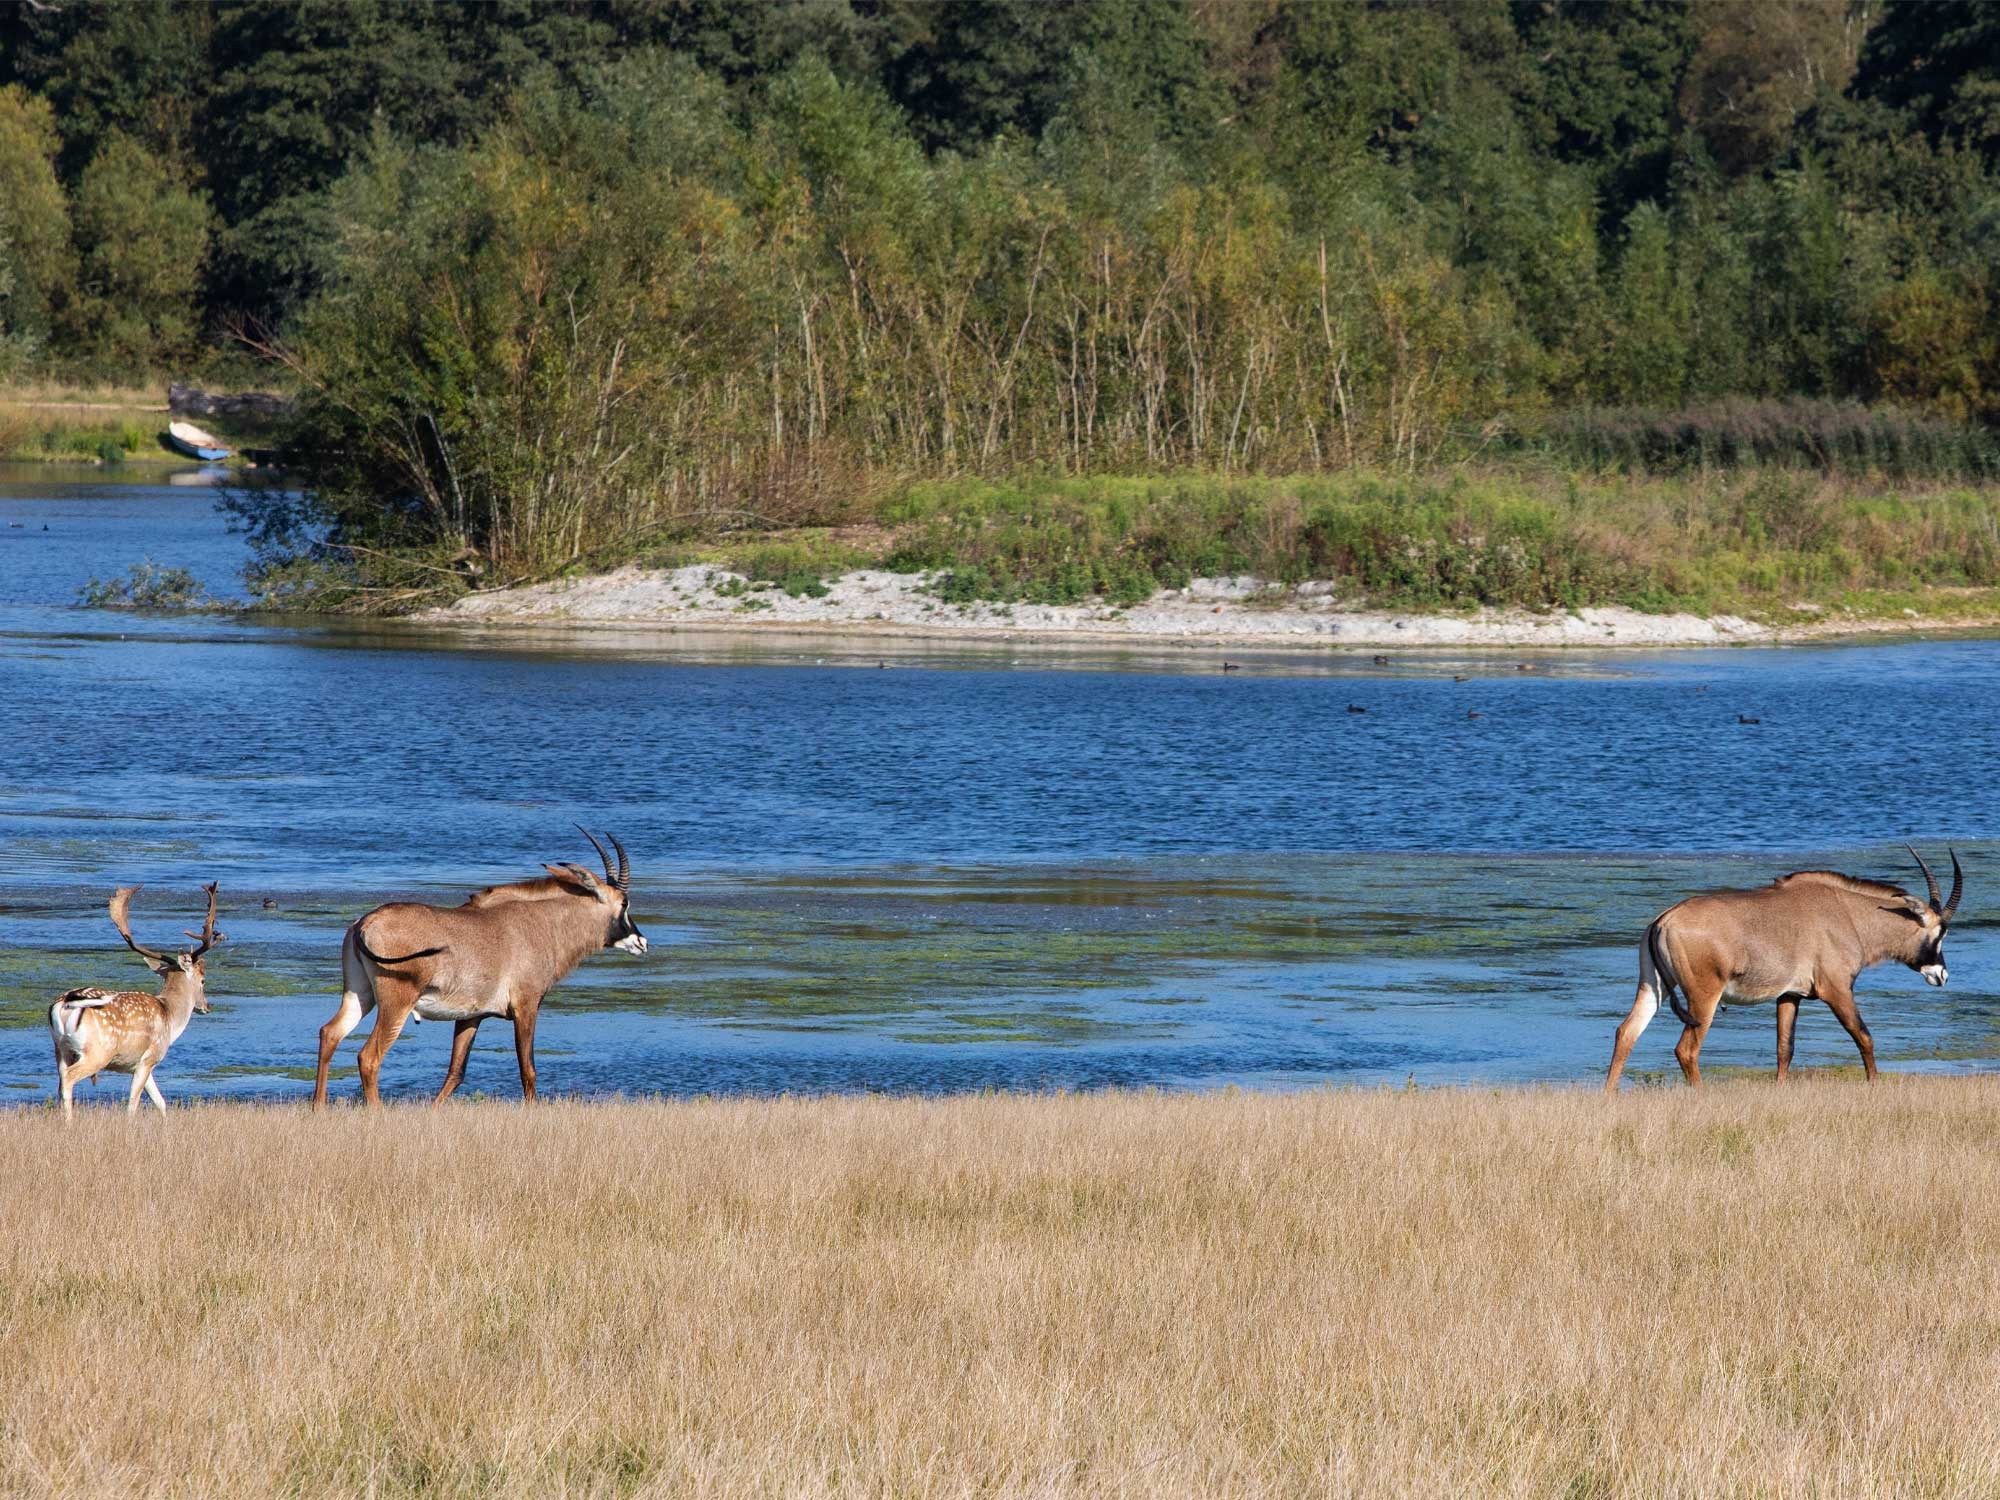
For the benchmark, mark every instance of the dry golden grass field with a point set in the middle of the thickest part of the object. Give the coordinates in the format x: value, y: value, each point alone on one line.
x: 1752, y: 1292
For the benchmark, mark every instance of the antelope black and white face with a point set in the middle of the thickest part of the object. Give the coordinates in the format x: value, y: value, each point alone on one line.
x: 1926, y: 952
x: 1929, y: 960
x: 625, y: 936
x: 614, y: 891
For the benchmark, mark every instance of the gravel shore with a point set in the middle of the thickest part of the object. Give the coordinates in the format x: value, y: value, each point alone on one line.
x: 1220, y: 611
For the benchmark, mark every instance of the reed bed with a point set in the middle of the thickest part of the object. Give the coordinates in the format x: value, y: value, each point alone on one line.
x: 1753, y: 1291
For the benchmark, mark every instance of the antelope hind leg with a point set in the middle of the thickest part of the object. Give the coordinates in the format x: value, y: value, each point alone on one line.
x: 392, y: 1008
x: 1687, y: 1051
x: 1644, y: 1005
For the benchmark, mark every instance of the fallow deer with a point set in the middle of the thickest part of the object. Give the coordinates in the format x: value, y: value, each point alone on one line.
x: 129, y: 1031
x: 1805, y: 936
x: 498, y: 954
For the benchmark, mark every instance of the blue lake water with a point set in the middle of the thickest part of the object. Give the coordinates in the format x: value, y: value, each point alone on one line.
x: 940, y: 868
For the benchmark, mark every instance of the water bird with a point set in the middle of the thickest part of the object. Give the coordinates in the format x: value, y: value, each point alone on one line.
x: 1746, y: 719
x: 1473, y: 713
x: 1356, y: 708
x: 1381, y: 661
x: 1526, y: 666
x: 1457, y: 678
x: 269, y: 904
x: 1230, y: 666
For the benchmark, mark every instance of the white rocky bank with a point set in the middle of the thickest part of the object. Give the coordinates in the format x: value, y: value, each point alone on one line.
x: 1221, y: 611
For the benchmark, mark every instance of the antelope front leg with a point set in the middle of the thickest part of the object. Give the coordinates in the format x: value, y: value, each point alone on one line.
x: 1788, y: 1019
x: 1845, y: 1011
x: 462, y: 1033
x: 524, y: 1047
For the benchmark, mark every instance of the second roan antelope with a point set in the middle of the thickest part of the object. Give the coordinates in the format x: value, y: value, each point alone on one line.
x: 129, y: 1031
x: 496, y: 955
x: 1805, y: 936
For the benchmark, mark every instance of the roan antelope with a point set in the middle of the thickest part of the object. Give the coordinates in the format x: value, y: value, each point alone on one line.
x: 1805, y: 936
x: 129, y: 1031
x: 498, y: 954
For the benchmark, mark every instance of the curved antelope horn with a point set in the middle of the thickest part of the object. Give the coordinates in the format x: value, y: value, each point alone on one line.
x: 1937, y: 896
x: 609, y: 878
x: 121, y: 900
x: 624, y: 880
x: 1957, y: 888
x: 208, y: 937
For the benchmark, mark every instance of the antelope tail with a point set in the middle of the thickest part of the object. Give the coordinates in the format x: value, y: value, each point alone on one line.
x: 1669, y: 984
x: 388, y: 963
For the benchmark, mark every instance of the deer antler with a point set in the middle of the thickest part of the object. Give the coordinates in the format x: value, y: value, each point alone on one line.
x: 121, y: 900
x: 208, y: 937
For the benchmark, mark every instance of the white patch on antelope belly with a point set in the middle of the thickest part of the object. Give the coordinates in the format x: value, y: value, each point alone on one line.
x: 1733, y: 996
x: 434, y: 1007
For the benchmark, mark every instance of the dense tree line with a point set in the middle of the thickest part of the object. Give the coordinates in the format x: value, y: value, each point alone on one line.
x: 539, y: 264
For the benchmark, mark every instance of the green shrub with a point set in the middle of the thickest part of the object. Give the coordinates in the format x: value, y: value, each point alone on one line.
x: 147, y: 586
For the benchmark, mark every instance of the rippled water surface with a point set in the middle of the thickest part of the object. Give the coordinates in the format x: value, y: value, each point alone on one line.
x: 921, y: 869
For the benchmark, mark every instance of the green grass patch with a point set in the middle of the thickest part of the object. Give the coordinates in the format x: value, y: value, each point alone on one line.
x: 1747, y: 542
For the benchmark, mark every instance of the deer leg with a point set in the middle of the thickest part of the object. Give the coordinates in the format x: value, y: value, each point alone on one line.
x: 1845, y: 1011
x: 524, y: 1047
x: 139, y: 1076
x: 1788, y: 1020
x: 389, y: 1017
x: 153, y: 1092
x: 462, y: 1033
x: 67, y: 1077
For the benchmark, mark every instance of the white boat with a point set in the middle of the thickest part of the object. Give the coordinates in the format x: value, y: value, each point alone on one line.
x: 185, y: 437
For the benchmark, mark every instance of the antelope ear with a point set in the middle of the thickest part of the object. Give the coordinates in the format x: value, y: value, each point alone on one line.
x: 1912, y: 912
x: 576, y: 875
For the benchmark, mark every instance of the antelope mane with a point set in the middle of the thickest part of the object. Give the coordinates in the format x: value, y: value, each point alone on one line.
x: 544, y: 888
x: 1874, y: 890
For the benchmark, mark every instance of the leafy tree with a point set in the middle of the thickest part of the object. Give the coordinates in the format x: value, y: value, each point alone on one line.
x: 1937, y: 62
x: 1935, y: 341
x: 1756, y: 65
x: 142, y: 236
x: 35, y: 248
x: 140, y: 70
x: 1608, y: 76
